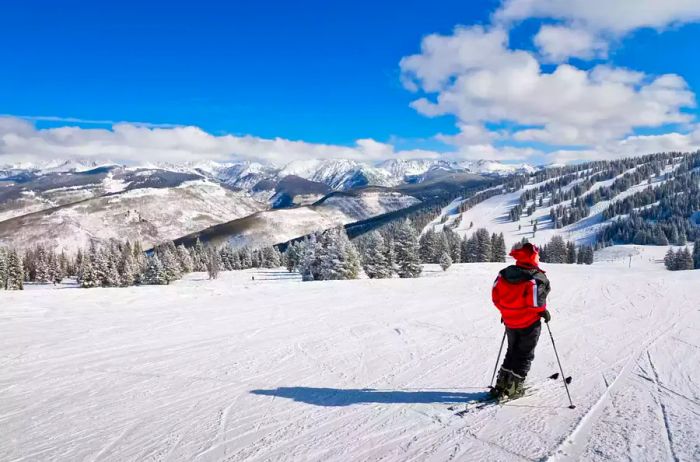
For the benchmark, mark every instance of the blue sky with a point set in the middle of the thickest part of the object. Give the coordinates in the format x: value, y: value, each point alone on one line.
x: 317, y: 71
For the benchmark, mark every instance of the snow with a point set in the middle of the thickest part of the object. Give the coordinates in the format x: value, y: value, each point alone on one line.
x: 276, y: 369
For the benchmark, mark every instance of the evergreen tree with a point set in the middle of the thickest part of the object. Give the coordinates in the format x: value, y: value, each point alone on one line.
x: 696, y: 254
x: 213, y: 264
x: 199, y: 257
x: 154, y: 274
x: 185, y: 259
x: 292, y: 256
x: 430, y: 246
x: 406, y: 249
x: 570, y: 253
x: 15, y: 271
x: 670, y: 260
x: 3, y: 267
x: 88, y: 276
x: 171, y: 265
x: 556, y: 250
x: 445, y: 261
x: 684, y: 260
x: 310, y: 263
x: 483, y: 242
x: 374, y: 258
x: 271, y: 257
x: 127, y: 269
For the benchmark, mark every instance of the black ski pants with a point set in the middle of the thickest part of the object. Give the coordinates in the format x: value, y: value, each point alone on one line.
x: 521, y: 348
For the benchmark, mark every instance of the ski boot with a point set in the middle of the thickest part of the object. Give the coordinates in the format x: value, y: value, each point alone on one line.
x: 504, y: 378
x: 515, y: 387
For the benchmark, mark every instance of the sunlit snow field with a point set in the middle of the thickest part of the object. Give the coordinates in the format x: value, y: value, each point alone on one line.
x: 277, y: 369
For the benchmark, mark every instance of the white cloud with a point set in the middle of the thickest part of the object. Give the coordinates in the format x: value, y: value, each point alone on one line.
x: 557, y: 43
x: 473, y: 75
x: 586, y: 26
x: 634, y: 145
x: 21, y: 141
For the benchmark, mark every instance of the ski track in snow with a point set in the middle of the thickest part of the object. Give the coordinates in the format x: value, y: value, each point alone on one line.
x: 277, y: 369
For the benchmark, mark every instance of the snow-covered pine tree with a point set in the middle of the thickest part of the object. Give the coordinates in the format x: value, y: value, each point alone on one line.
x: 499, y: 250
x: 55, y: 270
x: 88, y: 276
x: 310, y: 263
x: 42, y: 271
x: 429, y: 249
x: 670, y: 260
x: 570, y: 253
x: 556, y: 250
x: 3, y: 267
x: 185, y: 260
x: 213, y: 264
x: 170, y: 262
x: 445, y: 261
x: 199, y: 256
x: 406, y: 249
x: 154, y: 274
x: 374, y: 260
x: 127, y: 269
x: 293, y: 256
x: 483, y: 241
x: 696, y: 253
x: 270, y: 257
x: 454, y: 243
x: 684, y: 260
x: 15, y: 271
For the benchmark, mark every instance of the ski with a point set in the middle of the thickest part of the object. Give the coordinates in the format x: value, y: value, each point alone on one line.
x: 477, y: 404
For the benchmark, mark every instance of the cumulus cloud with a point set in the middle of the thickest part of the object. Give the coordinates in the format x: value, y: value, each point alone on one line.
x: 21, y: 141
x: 587, y: 26
x: 558, y: 43
x: 474, y: 75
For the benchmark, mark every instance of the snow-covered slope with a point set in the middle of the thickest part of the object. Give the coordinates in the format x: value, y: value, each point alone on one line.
x: 277, y: 226
x: 493, y: 212
x: 278, y: 369
x: 150, y: 215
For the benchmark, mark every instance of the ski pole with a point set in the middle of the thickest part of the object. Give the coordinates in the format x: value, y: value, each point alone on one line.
x: 498, y: 358
x: 566, y: 386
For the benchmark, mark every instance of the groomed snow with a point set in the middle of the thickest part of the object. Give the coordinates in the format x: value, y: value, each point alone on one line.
x: 276, y: 369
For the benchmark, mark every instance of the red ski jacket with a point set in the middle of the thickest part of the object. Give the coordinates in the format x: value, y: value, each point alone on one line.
x: 520, y: 294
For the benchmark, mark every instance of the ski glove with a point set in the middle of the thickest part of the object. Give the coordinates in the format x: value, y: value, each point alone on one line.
x: 545, y: 314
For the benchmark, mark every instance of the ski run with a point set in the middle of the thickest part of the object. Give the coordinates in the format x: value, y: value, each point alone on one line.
x: 273, y: 368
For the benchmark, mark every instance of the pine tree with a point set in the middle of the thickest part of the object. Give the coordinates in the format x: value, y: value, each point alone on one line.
x: 570, y: 253
x: 684, y: 260
x: 374, y: 259
x: 15, y: 271
x: 406, y: 249
x: 213, y: 264
x: 293, y: 256
x: 696, y: 254
x: 88, y: 276
x: 483, y: 241
x: 556, y: 250
x: 445, y: 261
x: 3, y: 268
x: 127, y: 269
x: 499, y: 251
x: 171, y: 264
x: 271, y: 257
x: 154, y: 274
x: 670, y: 260
x: 185, y: 259
x: 199, y: 256
x: 429, y: 246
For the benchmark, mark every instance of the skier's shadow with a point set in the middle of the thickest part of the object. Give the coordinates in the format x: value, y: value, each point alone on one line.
x: 334, y: 397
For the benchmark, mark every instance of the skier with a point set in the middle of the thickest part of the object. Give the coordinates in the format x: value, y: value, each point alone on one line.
x: 520, y: 294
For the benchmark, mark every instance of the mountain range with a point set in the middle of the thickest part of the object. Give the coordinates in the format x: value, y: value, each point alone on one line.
x: 69, y: 204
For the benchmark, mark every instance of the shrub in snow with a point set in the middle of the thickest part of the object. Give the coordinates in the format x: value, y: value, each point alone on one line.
x: 445, y: 261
